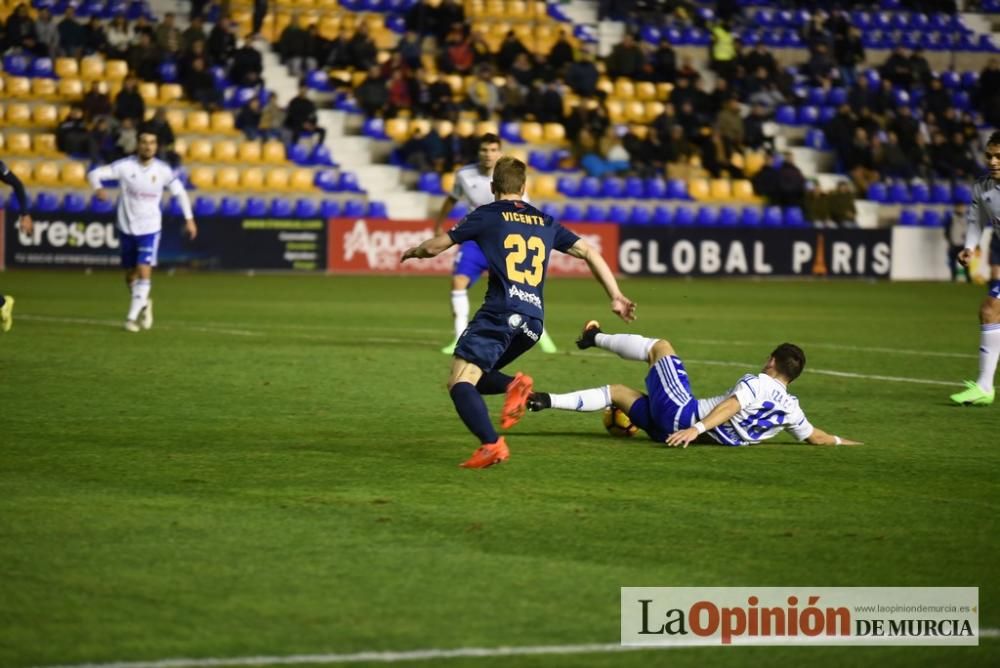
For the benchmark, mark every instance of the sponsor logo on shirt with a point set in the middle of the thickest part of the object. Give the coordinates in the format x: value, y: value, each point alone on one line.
x: 527, y: 297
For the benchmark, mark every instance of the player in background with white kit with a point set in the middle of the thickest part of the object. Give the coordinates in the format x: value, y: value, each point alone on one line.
x: 985, y: 210
x: 142, y: 179
x: 755, y: 409
x: 472, y: 185
x: 26, y: 225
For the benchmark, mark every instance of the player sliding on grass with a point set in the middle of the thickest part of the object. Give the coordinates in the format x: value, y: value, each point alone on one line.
x: 516, y: 240
x: 985, y: 210
x: 24, y: 221
x: 142, y: 179
x: 756, y: 409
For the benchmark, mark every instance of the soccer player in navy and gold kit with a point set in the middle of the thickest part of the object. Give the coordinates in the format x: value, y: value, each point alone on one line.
x: 24, y: 221
x: 516, y: 240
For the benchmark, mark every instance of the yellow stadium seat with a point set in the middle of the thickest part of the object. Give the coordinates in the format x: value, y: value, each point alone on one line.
x: 421, y: 125
x: 149, y: 92
x: 444, y: 128
x: 202, y: 177
x: 448, y: 182
x: 518, y: 153
x: 554, y: 133
x: 273, y: 152
x: 301, y: 180
x: 624, y: 89
x: 170, y: 92
x: 196, y: 121
x: 249, y: 152
x: 645, y: 90
x: 223, y: 122
x: 66, y: 67
x: 543, y: 186
x: 17, y: 114
x: 277, y: 179
x: 698, y: 189
x: 635, y: 111
x: 227, y: 178
x: 42, y: 87
x: 21, y: 169
x: 743, y: 190
x: 654, y: 109
x: 616, y: 111
x: 70, y: 89
x: 721, y: 189
x: 495, y: 9
x: 753, y: 162
x: 329, y: 27
x: 487, y: 127
x: 180, y: 145
x: 224, y: 150
x: 92, y: 68
x: 115, y: 70
x: 46, y: 173
x: 18, y: 87
x: 199, y: 150
x: 605, y: 84
x: 175, y: 117
x: 45, y: 115
x: 327, y: 5
x: 252, y: 179
x: 465, y: 128
x: 456, y: 83
x: 663, y: 90
x: 45, y: 144
x: 397, y: 129
x: 639, y: 130
x: 531, y: 132
x: 541, y: 11
x: 73, y: 174
x: 18, y: 143
x: 2, y: 141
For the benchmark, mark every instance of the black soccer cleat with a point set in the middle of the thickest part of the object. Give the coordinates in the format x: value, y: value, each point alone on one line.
x: 588, y: 338
x: 539, y: 401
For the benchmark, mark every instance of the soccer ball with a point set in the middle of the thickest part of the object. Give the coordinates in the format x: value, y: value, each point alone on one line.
x: 617, y: 423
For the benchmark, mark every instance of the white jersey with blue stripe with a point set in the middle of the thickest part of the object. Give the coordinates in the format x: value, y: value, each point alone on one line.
x: 141, y: 191
x: 984, y: 210
x: 473, y: 187
x: 766, y: 408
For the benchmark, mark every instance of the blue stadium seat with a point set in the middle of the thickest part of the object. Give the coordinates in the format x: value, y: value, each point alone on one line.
x: 750, y: 216
x: 16, y: 65
x: 773, y: 216
x: 817, y: 96
x: 900, y: 97
x: 348, y: 182
x: 430, y: 182
x: 256, y: 207
x: 960, y: 98
x: 970, y: 79
x: 877, y: 192
x: 661, y: 216
x: 330, y: 208
x: 677, y: 189
x: 655, y: 188
x: 785, y: 114
x: 941, y: 192
x: 920, y: 193
x: 354, y: 208
x: 168, y: 71
x: 815, y: 138
x: 325, y: 180
x: 808, y: 115
x: 74, y: 203
x: 595, y: 213
x: 282, y: 207
x: 961, y: 194
x: 939, y: 21
x: 572, y: 213
x: 590, y: 186
x: 396, y: 24
x: 794, y: 217
x: 230, y: 206
x: 42, y: 67
x: 613, y: 187
x: 101, y: 206
x: 568, y: 186
x: 377, y: 210
x: 706, y: 217
x: 618, y: 213
x: 640, y: 215
x: 650, y: 33
x: 374, y: 128
x: 321, y: 157
x: 899, y: 194
x: 205, y: 206
x: 932, y: 218
x: 46, y: 202
x: 298, y: 153
x: 634, y: 188
x: 319, y: 80
x: 551, y: 209
x: 243, y: 95
x: 218, y: 76
x: 306, y: 208
x: 838, y: 96
x: 543, y: 161
x: 510, y: 132
x: 683, y: 216
x: 174, y: 208
x: 459, y: 210
x: 862, y: 20
x: 909, y: 217
x: 728, y: 216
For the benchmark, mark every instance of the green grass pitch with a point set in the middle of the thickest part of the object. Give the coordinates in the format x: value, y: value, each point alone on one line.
x: 273, y: 470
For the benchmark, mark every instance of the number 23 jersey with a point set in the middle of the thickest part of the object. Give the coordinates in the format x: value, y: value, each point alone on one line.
x: 516, y: 239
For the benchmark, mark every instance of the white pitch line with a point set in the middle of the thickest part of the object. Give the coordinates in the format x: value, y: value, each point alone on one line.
x: 834, y: 346
x: 412, y: 655
x: 842, y: 374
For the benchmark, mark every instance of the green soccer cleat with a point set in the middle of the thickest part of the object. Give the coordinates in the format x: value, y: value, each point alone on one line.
x: 973, y: 395
x: 546, y: 343
x: 450, y: 348
x: 7, y: 314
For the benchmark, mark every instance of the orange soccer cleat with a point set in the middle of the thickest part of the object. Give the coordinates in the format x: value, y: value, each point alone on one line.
x: 487, y: 455
x: 516, y: 402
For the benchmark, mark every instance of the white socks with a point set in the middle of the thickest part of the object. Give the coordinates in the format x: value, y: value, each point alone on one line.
x: 627, y: 346
x: 460, y: 309
x: 140, y: 295
x: 989, y: 352
x: 584, y: 401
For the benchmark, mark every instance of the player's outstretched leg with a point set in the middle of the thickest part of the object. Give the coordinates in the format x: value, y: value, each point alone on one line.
x: 546, y: 343
x: 588, y: 337
x: 516, y: 402
x: 627, y: 346
x: 6, y: 313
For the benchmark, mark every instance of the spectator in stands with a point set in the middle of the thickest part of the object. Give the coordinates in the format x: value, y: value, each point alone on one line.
x: 724, y: 52
x: 410, y: 50
x: 72, y: 36
x: 301, y: 118
x: 19, y: 29
x: 729, y: 126
x: 937, y: 99
x: 603, y: 157
x: 272, y: 119
x: 372, y: 95
x: 47, y: 32
x: 626, y: 59
x: 424, y: 151
x: 842, y: 209
x: 919, y: 158
x: 645, y: 155
x: 96, y: 39
x: 361, y: 49
x: 127, y: 139
x: 678, y: 149
x: 482, y: 95
x: 920, y: 69
x: 119, y: 36
x: 96, y: 102
x: 222, y: 41
x: 402, y: 91
x: 760, y: 57
x: 73, y: 135
x: 248, y: 119
x: 850, y: 54
x: 160, y: 126
x: 105, y: 141
x: 859, y: 162
x: 989, y: 92
x: 523, y: 70
x: 142, y: 25
x: 769, y: 96
x: 458, y: 56
x: 905, y: 127
x: 295, y: 48
x: 144, y: 57
x: 186, y: 63
x: 510, y: 48
x: 168, y: 36
x: 561, y: 53
x: 513, y: 102
x: 548, y: 102
x: 422, y: 18
x: 718, y: 160
x: 898, y: 68
x: 195, y: 32
x: 440, y: 100
x: 257, y: 20
x: 247, y: 67
x: 754, y: 134
x: 449, y: 14
x: 791, y: 183
x: 128, y: 103
x: 820, y: 65
x: 663, y: 63
x: 895, y: 164
x: 816, y: 205
x: 199, y: 86
x: 582, y: 75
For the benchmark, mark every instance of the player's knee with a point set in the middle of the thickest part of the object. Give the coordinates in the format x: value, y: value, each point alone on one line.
x: 989, y: 311
x: 660, y: 349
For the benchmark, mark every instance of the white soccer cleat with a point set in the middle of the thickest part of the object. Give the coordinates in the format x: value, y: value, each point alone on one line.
x: 131, y: 326
x: 146, y: 315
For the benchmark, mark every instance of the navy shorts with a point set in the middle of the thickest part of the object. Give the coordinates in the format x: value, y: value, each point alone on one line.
x: 470, y: 262
x: 139, y: 249
x: 995, y: 247
x: 670, y: 406
x: 494, y: 340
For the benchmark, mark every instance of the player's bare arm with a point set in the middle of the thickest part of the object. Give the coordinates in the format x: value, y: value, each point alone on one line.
x: 430, y: 248
x: 26, y: 224
x: 446, y: 206
x: 820, y: 437
x: 621, y: 305
x: 719, y: 415
x: 190, y: 228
